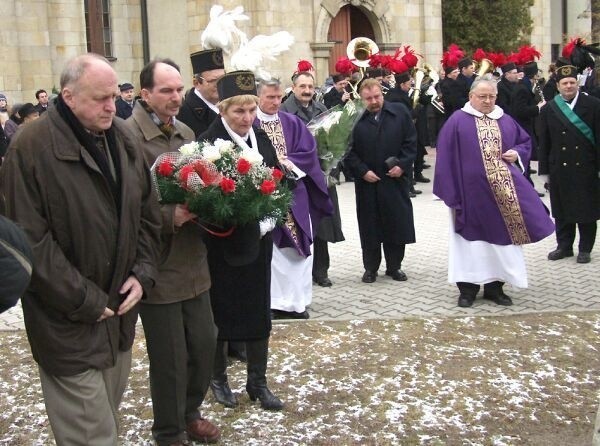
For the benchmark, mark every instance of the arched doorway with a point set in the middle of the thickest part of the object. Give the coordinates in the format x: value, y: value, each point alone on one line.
x: 350, y: 22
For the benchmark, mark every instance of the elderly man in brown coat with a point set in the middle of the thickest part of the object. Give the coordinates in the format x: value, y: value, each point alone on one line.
x: 78, y: 185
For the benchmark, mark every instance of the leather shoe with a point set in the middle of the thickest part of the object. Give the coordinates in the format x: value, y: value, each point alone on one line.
x: 465, y: 301
x: 541, y: 194
x: 558, y: 254
x: 267, y: 400
x: 499, y: 298
x: 411, y: 194
x: 223, y: 393
x: 584, y: 257
x: 323, y: 281
x: 397, y: 275
x: 203, y: 431
x: 421, y: 179
x: 426, y: 166
x: 280, y: 314
x: 369, y: 276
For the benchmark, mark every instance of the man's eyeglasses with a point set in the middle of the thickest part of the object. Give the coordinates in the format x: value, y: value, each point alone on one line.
x: 209, y: 81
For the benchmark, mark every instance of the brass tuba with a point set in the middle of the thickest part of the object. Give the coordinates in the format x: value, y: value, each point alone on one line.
x: 360, y: 49
x: 419, y: 76
x: 484, y: 67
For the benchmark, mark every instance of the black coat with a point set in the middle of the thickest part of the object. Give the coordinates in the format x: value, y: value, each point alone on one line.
x: 505, y: 89
x: 452, y: 95
x: 124, y: 110
x: 196, y: 114
x: 384, y: 209
x: 15, y: 263
x: 572, y: 162
x: 241, y: 295
x: 523, y: 107
x: 333, y: 98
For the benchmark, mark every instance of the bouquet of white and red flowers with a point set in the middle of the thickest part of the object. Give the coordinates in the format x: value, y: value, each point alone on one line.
x: 221, y: 183
x: 332, y: 130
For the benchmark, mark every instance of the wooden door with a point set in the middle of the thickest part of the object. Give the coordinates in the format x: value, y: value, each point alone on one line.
x: 339, y: 32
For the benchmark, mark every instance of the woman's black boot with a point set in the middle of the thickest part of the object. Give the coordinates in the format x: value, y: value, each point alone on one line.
x: 256, y: 386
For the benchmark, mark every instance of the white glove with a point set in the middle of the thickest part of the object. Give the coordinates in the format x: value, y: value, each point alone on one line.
x: 266, y: 225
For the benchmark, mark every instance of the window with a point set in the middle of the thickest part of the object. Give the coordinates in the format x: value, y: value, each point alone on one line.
x: 98, y: 27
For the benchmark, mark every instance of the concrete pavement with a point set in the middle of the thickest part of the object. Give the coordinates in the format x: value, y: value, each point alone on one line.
x: 553, y: 286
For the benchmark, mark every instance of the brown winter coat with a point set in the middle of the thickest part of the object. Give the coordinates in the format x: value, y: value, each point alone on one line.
x: 83, y: 249
x: 183, y: 268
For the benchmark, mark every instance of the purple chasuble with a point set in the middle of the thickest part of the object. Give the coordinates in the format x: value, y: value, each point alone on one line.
x: 310, y: 198
x: 492, y: 199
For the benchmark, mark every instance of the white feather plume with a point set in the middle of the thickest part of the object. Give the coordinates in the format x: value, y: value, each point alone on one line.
x: 222, y: 31
x: 253, y: 54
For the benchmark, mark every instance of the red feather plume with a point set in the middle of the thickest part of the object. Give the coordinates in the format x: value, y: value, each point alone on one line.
x: 498, y: 59
x: 452, y: 56
x: 344, y: 66
x: 304, y: 65
x: 410, y: 57
x: 528, y: 53
x: 479, y: 54
x: 569, y: 47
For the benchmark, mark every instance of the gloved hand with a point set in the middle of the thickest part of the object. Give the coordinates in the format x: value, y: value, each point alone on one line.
x: 266, y: 225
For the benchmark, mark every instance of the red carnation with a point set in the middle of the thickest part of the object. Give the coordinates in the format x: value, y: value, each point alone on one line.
x: 165, y: 169
x: 227, y: 185
x: 277, y: 174
x: 184, y: 173
x: 243, y: 166
x: 267, y: 187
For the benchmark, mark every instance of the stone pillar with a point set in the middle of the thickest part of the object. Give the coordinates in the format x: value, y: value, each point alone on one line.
x: 322, y: 53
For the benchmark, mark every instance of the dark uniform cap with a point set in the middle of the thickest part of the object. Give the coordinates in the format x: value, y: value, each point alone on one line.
x: 374, y: 72
x: 207, y: 60
x: 236, y: 83
x: 126, y: 86
x: 566, y: 71
x: 338, y: 77
x: 464, y: 62
x: 508, y: 66
x: 530, y: 69
x: 449, y: 70
x: 402, y: 77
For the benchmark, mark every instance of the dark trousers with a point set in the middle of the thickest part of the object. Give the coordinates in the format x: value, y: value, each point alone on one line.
x: 180, y: 339
x: 320, y: 258
x: 394, y: 254
x: 565, y: 235
x: 420, y: 159
x: 471, y: 289
x: 258, y: 353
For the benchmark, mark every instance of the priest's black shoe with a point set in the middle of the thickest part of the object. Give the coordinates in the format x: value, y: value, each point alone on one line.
x: 397, y: 275
x: 419, y: 178
x: 426, y: 166
x: 280, y: 314
x: 223, y: 393
x: 465, y: 301
x: 584, y: 257
x: 369, y: 276
x: 322, y: 281
x: 499, y: 298
x: 267, y: 400
x: 558, y: 254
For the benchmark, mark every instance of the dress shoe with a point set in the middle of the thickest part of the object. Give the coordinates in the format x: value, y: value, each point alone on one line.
x: 558, y: 254
x: 419, y: 178
x: 267, y: 400
x: 203, y: 431
x: 322, y: 281
x: 397, y: 275
x: 223, y: 393
x: 280, y: 314
x: 412, y: 195
x: 416, y: 191
x: 532, y: 171
x: 426, y: 166
x: 541, y: 194
x: 465, y: 301
x: 584, y: 257
x: 369, y: 276
x: 499, y: 298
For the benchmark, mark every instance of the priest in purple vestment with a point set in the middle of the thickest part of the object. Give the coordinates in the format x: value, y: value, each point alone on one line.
x: 291, y: 267
x: 494, y: 209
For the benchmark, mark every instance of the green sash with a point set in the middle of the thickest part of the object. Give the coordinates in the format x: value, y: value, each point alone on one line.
x: 574, y: 119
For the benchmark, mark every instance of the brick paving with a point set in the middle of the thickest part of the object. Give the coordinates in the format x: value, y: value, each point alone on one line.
x: 553, y: 286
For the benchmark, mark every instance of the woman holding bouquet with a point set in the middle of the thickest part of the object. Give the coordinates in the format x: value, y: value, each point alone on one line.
x: 240, y: 264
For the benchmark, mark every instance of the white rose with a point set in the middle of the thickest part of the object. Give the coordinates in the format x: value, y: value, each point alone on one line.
x: 252, y: 156
x: 223, y: 145
x: 211, y: 153
x: 189, y: 149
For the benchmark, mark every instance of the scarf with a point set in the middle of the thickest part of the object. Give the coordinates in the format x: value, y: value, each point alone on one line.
x: 167, y: 128
x: 241, y: 141
x: 86, y: 139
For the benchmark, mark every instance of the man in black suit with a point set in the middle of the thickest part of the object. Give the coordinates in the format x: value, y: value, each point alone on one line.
x: 199, y: 108
x: 570, y: 158
x: 506, y: 85
x: 126, y: 101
